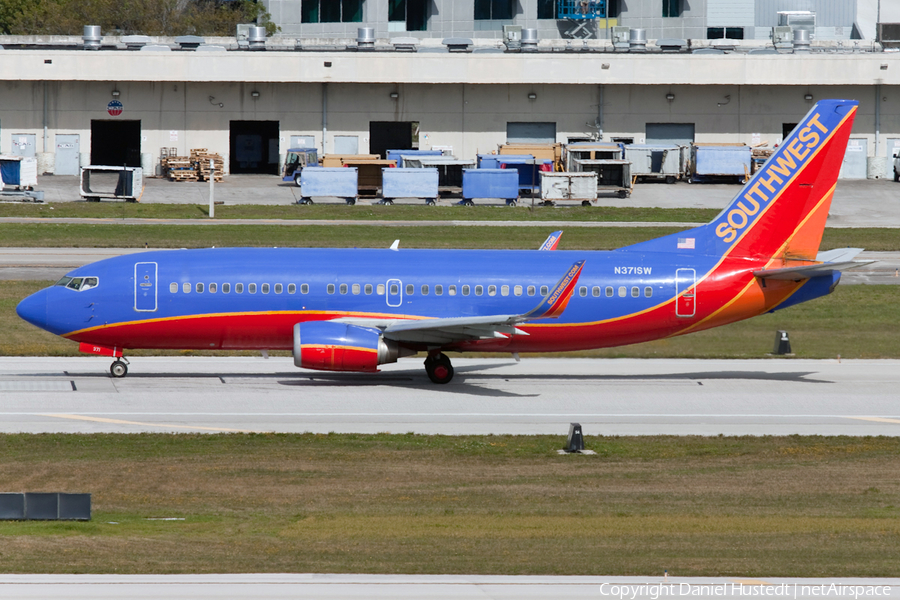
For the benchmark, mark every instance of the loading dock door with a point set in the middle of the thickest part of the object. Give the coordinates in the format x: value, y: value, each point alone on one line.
x: 116, y: 143
x: 392, y: 135
x: 670, y: 133
x: 68, y: 147
x: 254, y: 147
x: 530, y: 133
x: 23, y: 144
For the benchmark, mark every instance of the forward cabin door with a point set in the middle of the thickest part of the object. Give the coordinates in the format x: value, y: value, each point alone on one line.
x: 686, y: 303
x: 145, y: 286
x: 394, y: 292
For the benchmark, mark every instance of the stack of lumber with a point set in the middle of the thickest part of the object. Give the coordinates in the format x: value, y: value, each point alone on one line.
x: 180, y: 168
x: 200, y: 158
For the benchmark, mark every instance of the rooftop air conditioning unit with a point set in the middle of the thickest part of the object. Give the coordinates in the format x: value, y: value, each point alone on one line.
x: 782, y: 36
x: 798, y: 19
x: 620, y: 36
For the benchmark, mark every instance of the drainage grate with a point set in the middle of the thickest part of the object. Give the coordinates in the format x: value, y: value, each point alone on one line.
x: 54, y: 385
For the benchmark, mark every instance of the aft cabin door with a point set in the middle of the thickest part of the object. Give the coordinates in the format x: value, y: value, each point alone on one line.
x: 685, y: 292
x: 145, y: 286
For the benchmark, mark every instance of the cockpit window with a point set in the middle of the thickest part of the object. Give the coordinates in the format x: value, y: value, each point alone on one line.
x: 79, y: 284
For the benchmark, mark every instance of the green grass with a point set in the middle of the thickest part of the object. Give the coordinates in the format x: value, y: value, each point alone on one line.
x: 365, y: 236
x: 122, y: 210
x: 856, y: 321
x: 725, y: 506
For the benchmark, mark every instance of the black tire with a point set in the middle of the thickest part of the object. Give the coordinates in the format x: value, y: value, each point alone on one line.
x: 585, y: 202
x: 623, y: 194
x: 511, y: 202
x: 896, y: 175
x: 297, y: 179
x: 118, y: 369
x: 351, y: 201
x: 439, y: 369
x: 468, y: 203
x: 430, y: 202
x: 670, y: 179
x: 388, y: 202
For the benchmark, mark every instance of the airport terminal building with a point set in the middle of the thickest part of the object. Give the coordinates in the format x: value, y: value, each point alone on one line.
x: 459, y: 75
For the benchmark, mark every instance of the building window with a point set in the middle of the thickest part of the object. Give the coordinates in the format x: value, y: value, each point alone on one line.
x: 728, y: 33
x: 546, y: 9
x: 331, y: 11
x: 486, y: 10
x: 671, y: 8
x: 412, y: 13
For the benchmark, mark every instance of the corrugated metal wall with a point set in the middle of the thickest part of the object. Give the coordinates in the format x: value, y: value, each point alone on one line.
x: 829, y: 13
x: 730, y: 13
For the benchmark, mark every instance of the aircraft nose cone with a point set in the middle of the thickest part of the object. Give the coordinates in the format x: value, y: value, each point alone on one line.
x: 34, y: 309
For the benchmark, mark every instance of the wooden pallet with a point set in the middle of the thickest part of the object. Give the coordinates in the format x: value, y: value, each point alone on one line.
x: 182, y: 175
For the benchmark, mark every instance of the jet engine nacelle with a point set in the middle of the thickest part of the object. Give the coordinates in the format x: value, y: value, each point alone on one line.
x: 330, y: 346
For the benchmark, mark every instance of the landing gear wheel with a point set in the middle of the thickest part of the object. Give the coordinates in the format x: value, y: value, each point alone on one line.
x: 118, y: 369
x: 439, y: 369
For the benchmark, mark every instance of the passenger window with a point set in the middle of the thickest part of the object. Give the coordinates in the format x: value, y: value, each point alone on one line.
x: 173, y: 288
x: 239, y: 288
x: 622, y: 291
x: 517, y: 290
x: 251, y: 288
x: 355, y: 289
x: 278, y: 288
x: 226, y: 287
x: 504, y: 290
x: 410, y: 288
x: 395, y: 289
x: 544, y: 290
x: 609, y: 291
x: 304, y: 288
x: 199, y: 288
x: 465, y: 290
x: 479, y: 290
x: 368, y: 289
x: 582, y: 291
x: 265, y: 288
x: 292, y: 288
x: 531, y: 290
x: 595, y: 291
x: 492, y: 290
x: 330, y: 288
x: 343, y: 288
x: 212, y: 288
x: 438, y: 290
x: 186, y: 288
x: 648, y: 291
x: 451, y: 290
x: 425, y: 289
x: 379, y: 289
x: 635, y: 292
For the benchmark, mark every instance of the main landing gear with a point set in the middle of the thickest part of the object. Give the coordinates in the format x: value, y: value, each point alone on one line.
x: 439, y: 368
x: 119, y: 368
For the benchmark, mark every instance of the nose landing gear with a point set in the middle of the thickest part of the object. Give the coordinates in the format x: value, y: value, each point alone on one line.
x: 438, y: 368
x: 119, y: 368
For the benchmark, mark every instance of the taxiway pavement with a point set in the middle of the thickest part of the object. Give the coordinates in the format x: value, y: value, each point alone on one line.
x: 499, y: 396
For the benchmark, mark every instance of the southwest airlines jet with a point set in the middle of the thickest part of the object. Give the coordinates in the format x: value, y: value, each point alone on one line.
x: 355, y: 309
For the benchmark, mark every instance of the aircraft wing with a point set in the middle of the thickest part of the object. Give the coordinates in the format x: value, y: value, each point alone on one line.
x: 456, y: 329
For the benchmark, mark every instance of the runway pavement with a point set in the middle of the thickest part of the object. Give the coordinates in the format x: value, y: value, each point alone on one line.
x: 500, y: 396
x: 49, y: 264
x: 443, y: 587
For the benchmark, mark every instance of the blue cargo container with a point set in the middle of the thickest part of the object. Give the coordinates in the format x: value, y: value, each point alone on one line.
x: 713, y: 162
x: 490, y: 183
x: 492, y: 161
x: 339, y: 182
x: 409, y: 183
x: 399, y: 154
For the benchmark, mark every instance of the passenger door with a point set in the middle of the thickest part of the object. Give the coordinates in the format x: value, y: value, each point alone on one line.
x: 145, y: 286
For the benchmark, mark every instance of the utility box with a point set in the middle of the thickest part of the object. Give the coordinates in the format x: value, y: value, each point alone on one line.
x: 613, y: 176
x: 337, y: 182
x: 12, y: 507
x: 410, y: 183
x: 656, y: 161
x: 575, y: 441
x: 574, y: 187
x: 490, y: 183
x: 116, y: 183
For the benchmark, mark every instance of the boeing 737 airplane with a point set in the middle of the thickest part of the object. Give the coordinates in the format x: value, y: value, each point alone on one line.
x: 356, y: 309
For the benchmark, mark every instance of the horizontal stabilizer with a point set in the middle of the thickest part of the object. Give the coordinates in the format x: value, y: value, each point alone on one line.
x: 839, y: 255
x: 809, y: 271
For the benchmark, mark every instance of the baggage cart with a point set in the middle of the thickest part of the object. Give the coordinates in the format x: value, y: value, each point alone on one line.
x: 410, y: 183
x: 490, y: 183
x: 570, y: 187
x: 334, y: 182
x: 117, y: 183
x: 720, y: 162
x: 656, y: 162
x: 18, y: 177
x: 592, y: 151
x: 613, y: 175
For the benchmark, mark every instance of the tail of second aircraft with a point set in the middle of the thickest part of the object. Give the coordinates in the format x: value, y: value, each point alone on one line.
x: 781, y: 211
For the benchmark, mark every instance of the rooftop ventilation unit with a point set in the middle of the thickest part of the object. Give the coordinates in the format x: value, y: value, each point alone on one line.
x: 92, y: 37
x: 801, y: 41
x: 512, y: 37
x: 189, y: 42
x: 798, y: 19
x: 782, y: 36
x: 405, y: 44
x: 637, y: 40
x: 620, y: 37
x: 457, y: 44
x: 529, y: 40
x: 256, y: 38
x: 135, y: 42
x: 672, y: 45
x: 365, y: 38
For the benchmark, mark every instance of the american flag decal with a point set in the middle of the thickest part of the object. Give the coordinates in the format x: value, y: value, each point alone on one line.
x: 685, y: 243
